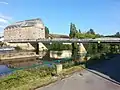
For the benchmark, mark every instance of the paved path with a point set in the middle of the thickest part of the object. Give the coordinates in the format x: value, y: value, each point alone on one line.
x: 87, y: 81
x: 95, y: 80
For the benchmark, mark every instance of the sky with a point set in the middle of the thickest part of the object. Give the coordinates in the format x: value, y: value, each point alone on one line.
x: 101, y: 15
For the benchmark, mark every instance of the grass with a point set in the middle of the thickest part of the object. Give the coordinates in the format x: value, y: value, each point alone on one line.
x: 26, y: 79
x: 71, y: 70
x: 33, y: 78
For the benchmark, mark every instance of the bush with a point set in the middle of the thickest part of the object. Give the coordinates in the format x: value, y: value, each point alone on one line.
x: 68, y: 64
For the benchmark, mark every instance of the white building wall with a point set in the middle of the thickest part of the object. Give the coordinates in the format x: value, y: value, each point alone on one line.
x: 34, y: 32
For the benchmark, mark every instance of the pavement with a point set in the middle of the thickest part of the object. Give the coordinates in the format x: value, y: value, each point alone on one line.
x: 82, y: 81
x: 102, y: 76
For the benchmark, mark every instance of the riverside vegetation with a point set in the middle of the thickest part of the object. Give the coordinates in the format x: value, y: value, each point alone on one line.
x: 34, y: 77
x: 39, y: 76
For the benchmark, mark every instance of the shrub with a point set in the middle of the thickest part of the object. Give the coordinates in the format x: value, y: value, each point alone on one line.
x: 68, y: 64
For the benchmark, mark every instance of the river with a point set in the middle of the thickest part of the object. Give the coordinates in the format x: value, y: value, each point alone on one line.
x: 45, y: 58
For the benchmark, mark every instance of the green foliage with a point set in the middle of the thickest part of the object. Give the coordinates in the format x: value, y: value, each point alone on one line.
x: 68, y: 64
x: 117, y: 34
x: 23, y: 77
x: 91, y: 31
x: 86, y: 35
x: 79, y: 31
x: 75, y: 34
x: 73, y: 31
x: 59, y: 53
x: 46, y: 32
x: 59, y: 46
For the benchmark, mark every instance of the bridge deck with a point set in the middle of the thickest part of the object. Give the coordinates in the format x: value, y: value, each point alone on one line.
x: 113, y: 40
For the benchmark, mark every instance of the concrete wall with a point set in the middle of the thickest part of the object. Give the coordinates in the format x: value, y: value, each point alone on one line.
x: 60, y: 54
x: 27, y: 46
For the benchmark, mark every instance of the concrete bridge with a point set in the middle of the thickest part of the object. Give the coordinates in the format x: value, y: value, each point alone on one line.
x: 63, y: 40
x: 34, y: 42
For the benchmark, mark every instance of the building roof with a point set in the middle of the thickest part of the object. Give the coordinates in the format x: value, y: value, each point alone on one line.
x: 58, y: 36
x: 25, y: 23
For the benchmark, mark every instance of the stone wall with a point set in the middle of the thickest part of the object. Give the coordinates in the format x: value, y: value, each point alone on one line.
x: 28, y: 29
x: 24, y: 33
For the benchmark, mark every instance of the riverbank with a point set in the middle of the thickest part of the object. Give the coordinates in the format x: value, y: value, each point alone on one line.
x: 17, y: 55
x: 33, y: 78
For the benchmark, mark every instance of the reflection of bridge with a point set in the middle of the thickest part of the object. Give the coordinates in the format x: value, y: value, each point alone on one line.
x: 63, y: 40
x: 35, y: 44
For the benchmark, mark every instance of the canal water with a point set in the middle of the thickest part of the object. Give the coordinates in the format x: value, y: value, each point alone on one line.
x: 8, y: 66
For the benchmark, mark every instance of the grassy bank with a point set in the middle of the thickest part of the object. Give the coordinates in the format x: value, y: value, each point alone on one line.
x: 30, y: 79
x: 26, y: 79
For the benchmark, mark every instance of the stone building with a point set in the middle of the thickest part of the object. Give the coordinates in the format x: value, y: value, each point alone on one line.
x: 25, y: 30
x: 28, y: 29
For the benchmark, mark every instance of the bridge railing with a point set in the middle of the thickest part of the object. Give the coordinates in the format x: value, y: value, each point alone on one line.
x: 66, y: 40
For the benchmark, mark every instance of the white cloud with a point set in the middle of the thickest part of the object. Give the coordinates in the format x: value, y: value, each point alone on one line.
x: 5, y: 17
x: 3, y: 2
x: 3, y: 20
x: 2, y: 26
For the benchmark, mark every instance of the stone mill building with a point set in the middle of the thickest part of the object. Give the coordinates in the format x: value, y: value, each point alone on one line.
x: 28, y: 29
x: 25, y: 30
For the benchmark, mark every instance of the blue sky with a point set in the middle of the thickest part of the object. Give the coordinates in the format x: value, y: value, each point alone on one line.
x: 101, y: 15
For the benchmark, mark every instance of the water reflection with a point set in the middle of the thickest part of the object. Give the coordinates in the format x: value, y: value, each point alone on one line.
x: 4, y: 69
x: 45, y: 58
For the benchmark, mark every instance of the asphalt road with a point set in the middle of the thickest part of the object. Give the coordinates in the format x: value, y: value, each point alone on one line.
x: 109, y: 69
x: 86, y: 81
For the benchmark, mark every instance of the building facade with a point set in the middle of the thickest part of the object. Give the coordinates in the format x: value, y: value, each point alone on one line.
x: 28, y: 29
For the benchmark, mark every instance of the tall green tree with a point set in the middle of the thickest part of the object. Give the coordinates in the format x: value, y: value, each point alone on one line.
x: 46, y: 32
x: 73, y: 31
x: 91, y: 31
x: 79, y: 31
x: 73, y: 34
x: 117, y: 34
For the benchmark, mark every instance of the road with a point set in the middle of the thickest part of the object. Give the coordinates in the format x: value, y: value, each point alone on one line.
x: 86, y: 81
x: 90, y: 81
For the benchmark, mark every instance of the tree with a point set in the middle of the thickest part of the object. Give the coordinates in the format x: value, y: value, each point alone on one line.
x: 117, y: 34
x: 46, y: 32
x: 73, y: 31
x: 79, y: 31
x: 91, y: 31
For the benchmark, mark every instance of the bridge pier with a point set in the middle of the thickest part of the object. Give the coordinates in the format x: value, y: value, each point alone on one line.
x: 78, y: 51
